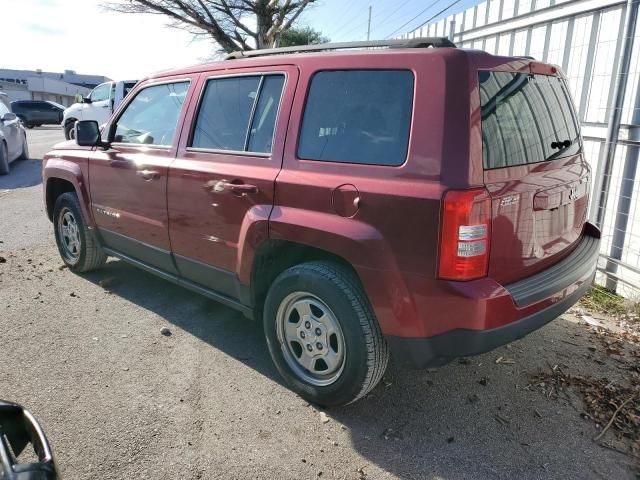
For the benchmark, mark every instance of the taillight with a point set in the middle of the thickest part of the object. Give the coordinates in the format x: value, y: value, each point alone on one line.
x: 465, y: 234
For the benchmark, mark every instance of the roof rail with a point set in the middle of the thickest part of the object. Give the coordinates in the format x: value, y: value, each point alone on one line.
x: 424, y: 42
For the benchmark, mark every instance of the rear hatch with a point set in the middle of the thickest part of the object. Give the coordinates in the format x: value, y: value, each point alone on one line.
x: 534, y: 171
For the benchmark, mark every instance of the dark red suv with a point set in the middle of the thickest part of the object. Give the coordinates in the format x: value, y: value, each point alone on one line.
x: 424, y: 202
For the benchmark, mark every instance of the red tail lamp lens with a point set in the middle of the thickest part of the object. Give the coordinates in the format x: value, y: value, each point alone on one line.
x: 466, y: 234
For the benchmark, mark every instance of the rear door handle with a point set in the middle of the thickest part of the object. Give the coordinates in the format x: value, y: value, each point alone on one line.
x: 148, y: 174
x: 241, y: 188
x: 238, y: 188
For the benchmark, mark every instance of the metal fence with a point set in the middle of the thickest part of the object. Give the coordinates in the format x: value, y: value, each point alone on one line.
x: 586, y: 38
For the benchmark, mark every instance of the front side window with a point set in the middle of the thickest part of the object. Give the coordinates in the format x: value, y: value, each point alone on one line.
x: 358, y: 116
x: 238, y: 113
x: 128, y: 86
x: 101, y: 92
x: 152, y: 116
x: 525, y: 119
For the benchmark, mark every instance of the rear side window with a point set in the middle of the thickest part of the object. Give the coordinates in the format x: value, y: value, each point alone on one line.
x: 238, y: 114
x: 525, y: 119
x: 358, y: 116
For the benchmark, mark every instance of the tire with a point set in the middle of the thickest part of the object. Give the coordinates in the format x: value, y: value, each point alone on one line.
x: 4, y: 159
x: 28, y: 125
x: 69, y: 130
x: 25, y: 149
x: 356, y: 353
x: 77, y: 246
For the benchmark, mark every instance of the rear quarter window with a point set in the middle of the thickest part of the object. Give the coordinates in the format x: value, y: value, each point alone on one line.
x: 358, y: 116
x: 525, y: 119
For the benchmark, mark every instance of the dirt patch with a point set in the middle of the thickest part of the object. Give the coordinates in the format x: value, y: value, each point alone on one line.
x: 613, y: 405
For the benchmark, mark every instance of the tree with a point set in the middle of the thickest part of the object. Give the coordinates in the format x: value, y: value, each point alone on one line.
x: 301, y: 36
x: 227, y: 22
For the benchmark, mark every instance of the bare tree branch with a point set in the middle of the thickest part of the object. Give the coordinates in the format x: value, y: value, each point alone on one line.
x: 297, y: 13
x: 226, y: 22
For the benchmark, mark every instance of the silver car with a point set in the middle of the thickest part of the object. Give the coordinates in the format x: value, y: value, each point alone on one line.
x: 13, y: 137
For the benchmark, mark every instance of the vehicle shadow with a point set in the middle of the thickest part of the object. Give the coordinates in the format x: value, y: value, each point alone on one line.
x: 474, y: 418
x: 22, y: 174
x: 210, y: 321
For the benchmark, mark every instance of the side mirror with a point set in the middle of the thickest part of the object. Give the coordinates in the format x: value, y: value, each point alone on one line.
x: 86, y: 99
x: 19, y: 430
x: 88, y: 134
x: 8, y: 117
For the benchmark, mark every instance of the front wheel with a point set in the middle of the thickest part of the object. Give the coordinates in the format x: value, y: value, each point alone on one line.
x: 4, y: 159
x: 322, y: 334
x: 70, y: 131
x: 77, y: 246
x: 25, y: 149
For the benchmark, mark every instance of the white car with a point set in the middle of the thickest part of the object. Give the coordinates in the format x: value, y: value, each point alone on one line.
x: 13, y: 137
x: 98, y: 105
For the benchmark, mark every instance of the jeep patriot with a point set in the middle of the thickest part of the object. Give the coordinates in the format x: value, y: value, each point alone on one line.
x: 414, y: 200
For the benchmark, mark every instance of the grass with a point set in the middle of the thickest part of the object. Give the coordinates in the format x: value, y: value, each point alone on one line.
x: 605, y: 301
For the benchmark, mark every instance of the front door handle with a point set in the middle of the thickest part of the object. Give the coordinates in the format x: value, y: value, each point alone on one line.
x: 148, y: 174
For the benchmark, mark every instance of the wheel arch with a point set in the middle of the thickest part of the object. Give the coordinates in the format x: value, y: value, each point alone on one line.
x: 273, y: 257
x: 55, y: 188
x: 296, y: 235
x: 61, y: 176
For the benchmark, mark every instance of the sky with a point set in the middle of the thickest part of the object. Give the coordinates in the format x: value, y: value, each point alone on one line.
x: 57, y: 35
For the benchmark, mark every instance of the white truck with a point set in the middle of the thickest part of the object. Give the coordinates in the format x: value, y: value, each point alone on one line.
x: 98, y: 105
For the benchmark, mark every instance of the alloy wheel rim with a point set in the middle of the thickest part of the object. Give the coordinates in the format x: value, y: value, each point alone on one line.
x: 69, y: 234
x: 311, y: 339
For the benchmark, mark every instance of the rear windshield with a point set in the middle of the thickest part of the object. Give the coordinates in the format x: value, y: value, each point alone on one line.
x: 525, y: 119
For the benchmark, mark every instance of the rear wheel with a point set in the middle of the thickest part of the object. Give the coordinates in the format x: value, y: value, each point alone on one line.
x: 322, y: 334
x: 4, y: 159
x: 77, y: 246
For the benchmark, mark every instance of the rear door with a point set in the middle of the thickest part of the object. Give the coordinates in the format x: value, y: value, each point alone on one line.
x: 223, y: 178
x: 534, y: 170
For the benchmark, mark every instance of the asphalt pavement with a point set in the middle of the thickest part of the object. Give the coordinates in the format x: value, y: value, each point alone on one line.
x: 121, y: 401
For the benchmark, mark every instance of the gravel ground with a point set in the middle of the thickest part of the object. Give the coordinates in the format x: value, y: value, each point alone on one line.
x: 121, y: 401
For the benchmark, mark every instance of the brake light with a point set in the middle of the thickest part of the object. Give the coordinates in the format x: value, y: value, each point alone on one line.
x: 465, y: 234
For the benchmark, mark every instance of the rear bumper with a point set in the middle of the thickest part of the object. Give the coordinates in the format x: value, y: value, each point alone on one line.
x: 535, y: 302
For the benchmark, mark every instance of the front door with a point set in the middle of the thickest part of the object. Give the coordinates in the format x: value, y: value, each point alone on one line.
x: 101, y: 105
x: 221, y: 185
x: 129, y: 181
x: 12, y: 133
